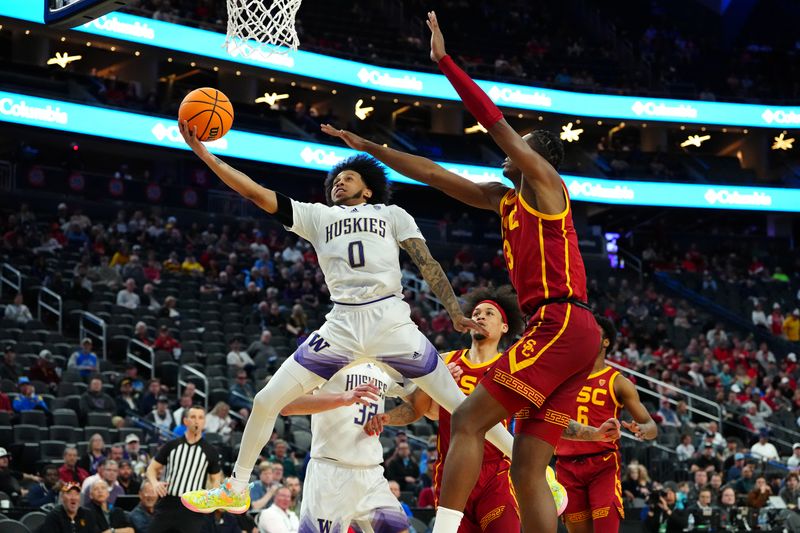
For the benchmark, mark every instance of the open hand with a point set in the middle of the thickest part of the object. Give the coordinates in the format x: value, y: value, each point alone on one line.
x: 634, y: 428
x: 609, y: 431
x: 374, y: 425
x: 350, y: 139
x: 437, y: 39
x: 161, y: 489
x: 361, y: 394
x: 190, y: 136
x: 462, y: 324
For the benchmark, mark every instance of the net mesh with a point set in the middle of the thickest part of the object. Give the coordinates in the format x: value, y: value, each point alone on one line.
x: 261, y: 26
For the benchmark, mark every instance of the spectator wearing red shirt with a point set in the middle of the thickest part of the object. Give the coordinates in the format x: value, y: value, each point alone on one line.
x: 140, y: 334
x: 165, y: 341
x: 5, y: 402
x: 441, y: 323
x: 776, y: 320
x: 70, y: 471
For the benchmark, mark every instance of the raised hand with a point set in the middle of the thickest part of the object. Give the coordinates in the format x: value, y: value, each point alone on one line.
x: 350, y: 139
x: 634, y: 428
x: 455, y: 370
x: 190, y: 136
x: 437, y: 39
x: 361, y: 394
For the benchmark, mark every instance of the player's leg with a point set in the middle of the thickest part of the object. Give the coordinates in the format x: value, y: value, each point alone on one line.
x: 605, y: 494
x: 310, y: 365
x: 375, y: 508
x: 578, y: 515
x: 532, y: 455
x: 493, y: 502
x: 328, y: 493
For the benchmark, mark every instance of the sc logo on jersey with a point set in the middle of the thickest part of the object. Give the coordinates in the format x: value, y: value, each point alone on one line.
x: 590, y: 395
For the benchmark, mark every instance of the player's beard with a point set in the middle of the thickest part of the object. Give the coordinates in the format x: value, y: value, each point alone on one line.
x: 479, y: 337
x: 359, y: 195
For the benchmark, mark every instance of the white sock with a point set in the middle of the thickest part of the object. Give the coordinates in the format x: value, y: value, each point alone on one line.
x: 240, y: 478
x: 447, y: 520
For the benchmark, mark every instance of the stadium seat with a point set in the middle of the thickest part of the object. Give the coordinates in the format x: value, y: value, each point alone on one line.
x: 28, y: 433
x: 65, y: 433
x: 300, y: 422
x: 104, y: 432
x: 35, y: 418
x: 99, y: 419
x: 52, y: 450
x: 33, y: 520
x: 124, y: 432
x: 5, y: 418
x: 6, y: 436
x: 417, y: 524
x: 302, y: 439
x: 65, y: 417
x: 408, y: 497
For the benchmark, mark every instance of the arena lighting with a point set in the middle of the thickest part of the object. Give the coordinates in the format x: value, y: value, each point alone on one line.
x: 695, y: 140
x: 162, y: 132
x: 362, y: 112
x: 570, y: 135
x: 271, y: 98
x: 475, y: 129
x: 62, y: 60
x: 782, y: 142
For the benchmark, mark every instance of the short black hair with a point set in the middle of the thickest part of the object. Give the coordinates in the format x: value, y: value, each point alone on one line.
x: 549, y: 146
x: 506, y: 298
x: 609, y: 330
x: 372, y: 173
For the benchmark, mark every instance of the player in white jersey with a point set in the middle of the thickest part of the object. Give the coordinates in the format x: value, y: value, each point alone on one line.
x: 357, y: 238
x: 344, y: 483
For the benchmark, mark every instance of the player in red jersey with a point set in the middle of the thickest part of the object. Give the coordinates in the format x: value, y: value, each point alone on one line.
x: 545, y: 370
x: 590, y: 471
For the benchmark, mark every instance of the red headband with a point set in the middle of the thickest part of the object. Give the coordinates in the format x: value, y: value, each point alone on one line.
x: 496, y: 306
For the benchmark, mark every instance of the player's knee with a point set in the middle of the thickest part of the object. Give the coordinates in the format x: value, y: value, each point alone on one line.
x: 462, y: 422
x: 263, y: 401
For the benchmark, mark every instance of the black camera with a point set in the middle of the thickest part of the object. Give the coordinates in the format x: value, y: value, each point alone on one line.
x: 655, y: 498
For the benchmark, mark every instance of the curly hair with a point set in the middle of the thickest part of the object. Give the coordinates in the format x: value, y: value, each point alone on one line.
x: 548, y: 145
x: 609, y: 330
x: 372, y: 173
x: 506, y: 298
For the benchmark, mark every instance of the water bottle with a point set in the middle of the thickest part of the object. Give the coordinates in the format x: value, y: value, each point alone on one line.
x: 690, y: 523
x: 763, y: 523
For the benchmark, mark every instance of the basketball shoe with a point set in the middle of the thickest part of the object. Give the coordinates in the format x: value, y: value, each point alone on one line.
x: 558, y: 491
x: 224, y: 497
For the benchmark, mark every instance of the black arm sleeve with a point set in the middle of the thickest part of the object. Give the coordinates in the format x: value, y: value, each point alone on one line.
x: 285, y: 213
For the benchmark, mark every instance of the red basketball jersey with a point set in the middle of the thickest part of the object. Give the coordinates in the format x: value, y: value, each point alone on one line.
x: 473, y: 374
x: 541, y: 252
x: 596, y: 404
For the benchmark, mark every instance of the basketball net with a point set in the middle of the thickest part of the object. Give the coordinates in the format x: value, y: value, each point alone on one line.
x: 261, y: 27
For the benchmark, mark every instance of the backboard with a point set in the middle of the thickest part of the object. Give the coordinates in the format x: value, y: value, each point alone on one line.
x: 71, y: 13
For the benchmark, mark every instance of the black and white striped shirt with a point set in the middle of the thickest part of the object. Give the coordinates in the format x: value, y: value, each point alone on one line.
x: 187, y: 464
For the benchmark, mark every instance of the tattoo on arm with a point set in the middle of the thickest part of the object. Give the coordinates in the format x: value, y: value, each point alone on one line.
x: 433, y: 274
x: 578, y: 431
x: 401, y: 415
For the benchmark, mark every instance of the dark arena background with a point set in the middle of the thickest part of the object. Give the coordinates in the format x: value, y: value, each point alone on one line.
x: 125, y: 259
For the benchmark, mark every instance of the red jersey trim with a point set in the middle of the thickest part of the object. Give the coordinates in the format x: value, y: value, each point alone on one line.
x: 545, y: 216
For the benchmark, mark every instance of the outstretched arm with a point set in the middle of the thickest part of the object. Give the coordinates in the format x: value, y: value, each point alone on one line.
x: 412, y: 409
x: 643, y: 426
x: 238, y: 181
x: 537, y: 173
x: 480, y: 195
x: 310, y: 404
x: 607, y: 432
x: 437, y: 280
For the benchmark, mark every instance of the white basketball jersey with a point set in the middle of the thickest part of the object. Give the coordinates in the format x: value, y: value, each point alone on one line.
x: 357, y: 247
x: 339, y: 434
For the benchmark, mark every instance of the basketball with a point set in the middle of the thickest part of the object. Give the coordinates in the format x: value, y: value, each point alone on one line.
x: 209, y: 110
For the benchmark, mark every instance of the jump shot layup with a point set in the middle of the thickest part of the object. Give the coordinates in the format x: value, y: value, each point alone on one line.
x: 369, y: 348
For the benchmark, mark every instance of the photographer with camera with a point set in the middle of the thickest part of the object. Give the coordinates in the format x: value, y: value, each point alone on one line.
x: 703, y: 514
x: 662, y: 514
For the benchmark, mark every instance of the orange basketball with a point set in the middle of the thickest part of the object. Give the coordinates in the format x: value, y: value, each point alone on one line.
x: 209, y: 110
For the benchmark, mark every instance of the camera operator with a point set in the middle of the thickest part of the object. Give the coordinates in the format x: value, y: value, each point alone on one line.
x: 703, y: 511
x: 662, y: 516
x: 732, y: 518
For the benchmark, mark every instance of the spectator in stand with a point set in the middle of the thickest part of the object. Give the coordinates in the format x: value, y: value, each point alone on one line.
x: 191, y: 266
x: 95, y: 400
x: 134, y: 270
x: 126, y: 399
x: 186, y: 401
x: 708, y: 459
x: 664, y: 516
x: 759, y: 317
x: 127, y: 297
x: 297, y: 323
x: 28, y: 400
x: 43, y: 369
x: 166, y: 342
x: 132, y: 373
x: 239, y: 359
x: 699, y: 482
x: 142, y: 515
x: 278, y: 517
x: 127, y: 478
x: 95, y: 454
x: 668, y: 416
x: 112, y: 519
x: 219, y: 421
x: 70, y: 517
x: 746, y: 482
x: 170, y: 309
x: 734, y: 472
x: 147, y: 401
x: 685, y: 449
x: 5, y: 403
x: 18, y: 311
x: 161, y: 416
x: 794, y: 460
x: 8, y: 367
x: 45, y: 491
x: 790, y: 493
x: 281, y: 456
x: 261, y: 351
x: 262, y: 491
x: 791, y: 326
x: 107, y: 471
x: 403, y: 468
x: 140, y: 333
x: 763, y: 449
x: 12, y: 482
x: 759, y: 495
x: 394, y: 487
x: 172, y: 264
x: 275, y: 318
x: 703, y: 510
x: 149, y: 300
x: 84, y: 360
x: 70, y: 471
x: 636, y: 482
x: 776, y: 320
x: 120, y: 257
x: 133, y: 452
x: 242, y: 394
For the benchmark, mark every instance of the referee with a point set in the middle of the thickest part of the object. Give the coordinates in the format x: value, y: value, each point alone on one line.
x: 192, y: 464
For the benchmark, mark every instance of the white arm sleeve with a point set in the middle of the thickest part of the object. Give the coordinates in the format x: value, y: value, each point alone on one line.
x: 306, y: 219
x: 404, y: 225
